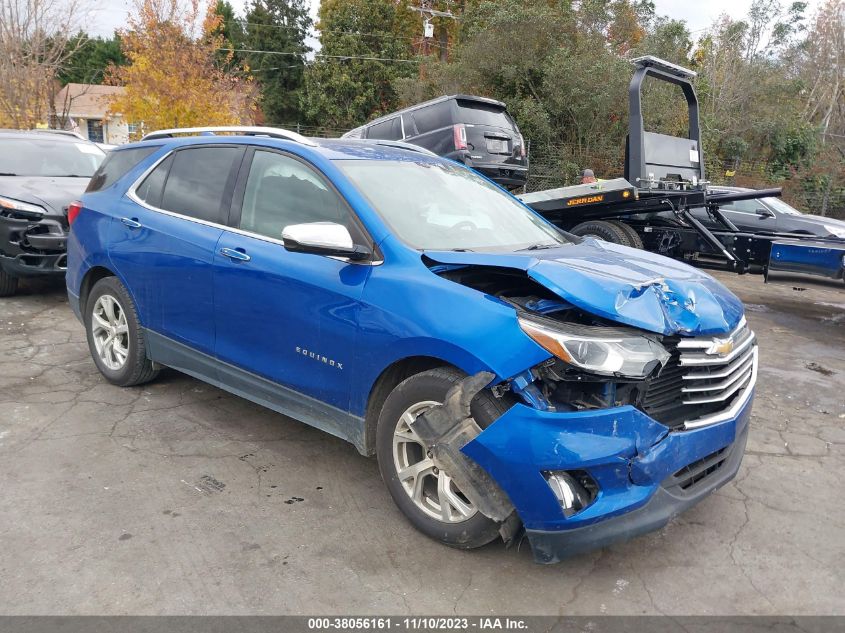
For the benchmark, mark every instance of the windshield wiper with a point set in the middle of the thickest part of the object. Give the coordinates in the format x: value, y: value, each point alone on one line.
x: 3, y: 173
x: 540, y: 246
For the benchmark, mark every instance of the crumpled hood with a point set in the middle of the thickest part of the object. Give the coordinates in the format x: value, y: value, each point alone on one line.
x: 52, y: 193
x: 622, y: 284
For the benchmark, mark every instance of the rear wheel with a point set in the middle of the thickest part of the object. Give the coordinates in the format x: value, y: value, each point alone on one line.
x: 634, y: 239
x: 607, y: 231
x: 427, y: 495
x: 8, y: 284
x: 114, y: 335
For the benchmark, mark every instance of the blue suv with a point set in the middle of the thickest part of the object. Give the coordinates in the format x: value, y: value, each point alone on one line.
x: 508, y: 376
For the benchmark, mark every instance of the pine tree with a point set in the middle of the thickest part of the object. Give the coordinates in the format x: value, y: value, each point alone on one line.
x: 278, y: 26
x: 376, y: 35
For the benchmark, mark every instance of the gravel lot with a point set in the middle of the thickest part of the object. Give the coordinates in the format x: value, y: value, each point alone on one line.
x: 178, y: 498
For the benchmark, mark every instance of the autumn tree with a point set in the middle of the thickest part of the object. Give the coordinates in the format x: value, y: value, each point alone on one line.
x: 231, y: 28
x: 172, y: 78
x: 35, y: 41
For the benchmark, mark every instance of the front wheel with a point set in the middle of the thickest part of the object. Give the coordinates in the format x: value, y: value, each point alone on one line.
x: 114, y: 335
x: 427, y: 495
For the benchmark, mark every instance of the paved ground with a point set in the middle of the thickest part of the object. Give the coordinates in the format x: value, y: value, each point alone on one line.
x: 178, y: 498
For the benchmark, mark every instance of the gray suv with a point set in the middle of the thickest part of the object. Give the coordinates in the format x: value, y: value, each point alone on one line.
x: 475, y: 131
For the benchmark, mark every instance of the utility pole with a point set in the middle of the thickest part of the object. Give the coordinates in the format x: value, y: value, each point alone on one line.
x: 427, y: 10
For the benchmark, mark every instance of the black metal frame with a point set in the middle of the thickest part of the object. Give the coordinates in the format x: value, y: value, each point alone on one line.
x: 684, y: 236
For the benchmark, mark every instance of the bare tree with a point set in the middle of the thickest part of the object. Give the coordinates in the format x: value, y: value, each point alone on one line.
x: 35, y: 40
x: 824, y: 68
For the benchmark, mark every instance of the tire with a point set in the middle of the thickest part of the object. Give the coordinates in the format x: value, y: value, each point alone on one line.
x: 602, y: 229
x: 8, y: 284
x: 634, y: 239
x: 126, y: 364
x: 425, y: 389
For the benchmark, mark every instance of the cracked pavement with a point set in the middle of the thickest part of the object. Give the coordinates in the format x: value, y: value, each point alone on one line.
x: 178, y: 498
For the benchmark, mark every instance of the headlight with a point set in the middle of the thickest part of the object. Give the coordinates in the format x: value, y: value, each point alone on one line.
x: 25, y: 208
x: 588, y: 348
x: 834, y: 230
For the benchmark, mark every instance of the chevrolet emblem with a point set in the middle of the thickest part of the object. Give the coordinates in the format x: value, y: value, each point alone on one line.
x: 721, y: 346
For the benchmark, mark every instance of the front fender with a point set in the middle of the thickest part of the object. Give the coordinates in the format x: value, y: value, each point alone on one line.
x: 409, y: 311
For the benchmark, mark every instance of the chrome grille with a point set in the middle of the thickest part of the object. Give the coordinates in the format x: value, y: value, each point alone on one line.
x: 706, y: 380
x: 716, y: 370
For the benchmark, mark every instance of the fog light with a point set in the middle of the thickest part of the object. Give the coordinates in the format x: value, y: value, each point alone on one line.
x: 575, y: 490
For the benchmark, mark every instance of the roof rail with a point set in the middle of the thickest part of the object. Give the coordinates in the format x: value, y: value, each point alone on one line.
x: 241, y: 130
x: 399, y: 144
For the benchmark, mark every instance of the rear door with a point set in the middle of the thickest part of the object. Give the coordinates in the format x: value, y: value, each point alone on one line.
x: 433, y: 128
x: 164, y: 239
x: 291, y: 318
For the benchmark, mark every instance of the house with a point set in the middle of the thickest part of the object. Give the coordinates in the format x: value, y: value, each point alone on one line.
x: 83, y: 108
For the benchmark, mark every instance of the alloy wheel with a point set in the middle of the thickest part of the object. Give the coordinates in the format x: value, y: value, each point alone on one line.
x: 432, y: 490
x: 110, y: 332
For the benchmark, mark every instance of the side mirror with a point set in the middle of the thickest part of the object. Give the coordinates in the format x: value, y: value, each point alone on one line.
x: 323, y: 238
x: 765, y: 213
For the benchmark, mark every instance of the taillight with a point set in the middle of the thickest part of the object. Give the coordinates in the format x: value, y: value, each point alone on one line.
x: 459, y: 133
x: 521, y: 146
x: 73, y: 210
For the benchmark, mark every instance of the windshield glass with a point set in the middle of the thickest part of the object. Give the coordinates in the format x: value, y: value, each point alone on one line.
x: 47, y: 156
x: 440, y: 206
x: 779, y: 205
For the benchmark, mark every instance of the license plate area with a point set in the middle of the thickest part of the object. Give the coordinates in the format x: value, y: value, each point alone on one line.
x: 497, y: 146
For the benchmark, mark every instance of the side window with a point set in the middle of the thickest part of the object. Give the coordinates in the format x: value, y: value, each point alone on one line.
x: 281, y: 191
x: 408, y: 123
x: 742, y: 206
x: 390, y: 130
x: 153, y: 186
x: 116, y: 164
x: 433, y: 117
x: 197, y: 181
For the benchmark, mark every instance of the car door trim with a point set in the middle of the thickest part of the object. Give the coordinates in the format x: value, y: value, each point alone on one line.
x: 268, y: 393
x: 132, y: 194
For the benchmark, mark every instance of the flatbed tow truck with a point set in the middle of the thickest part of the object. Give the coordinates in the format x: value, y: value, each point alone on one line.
x: 668, y: 179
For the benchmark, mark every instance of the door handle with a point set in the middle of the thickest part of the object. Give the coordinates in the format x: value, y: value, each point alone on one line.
x: 132, y: 223
x: 235, y: 254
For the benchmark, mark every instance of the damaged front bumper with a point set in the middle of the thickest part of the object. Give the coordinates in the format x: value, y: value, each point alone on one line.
x: 32, y: 247
x: 645, y: 473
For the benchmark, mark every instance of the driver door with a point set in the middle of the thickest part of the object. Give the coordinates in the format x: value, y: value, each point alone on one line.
x: 751, y: 215
x: 289, y: 318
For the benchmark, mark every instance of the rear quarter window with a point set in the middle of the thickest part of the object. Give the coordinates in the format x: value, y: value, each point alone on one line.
x: 117, y: 163
x: 433, y: 117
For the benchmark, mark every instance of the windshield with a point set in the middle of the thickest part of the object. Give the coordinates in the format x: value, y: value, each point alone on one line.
x: 779, y: 205
x: 47, y: 156
x: 440, y: 206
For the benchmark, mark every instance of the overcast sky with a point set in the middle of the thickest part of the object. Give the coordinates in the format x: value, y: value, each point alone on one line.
x: 108, y: 15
